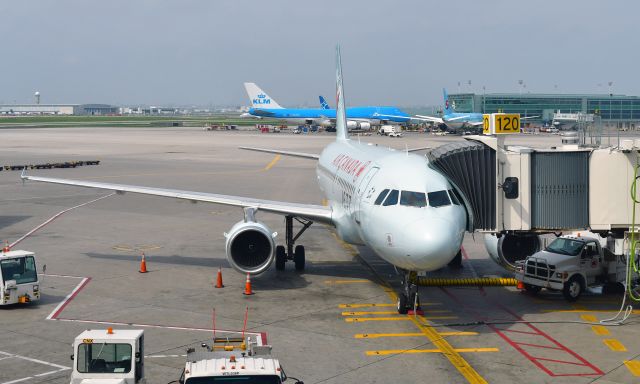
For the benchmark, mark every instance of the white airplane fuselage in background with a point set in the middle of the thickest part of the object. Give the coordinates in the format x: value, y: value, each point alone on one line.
x: 352, y: 175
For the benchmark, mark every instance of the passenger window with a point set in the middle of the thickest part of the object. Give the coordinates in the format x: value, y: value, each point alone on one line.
x: 454, y: 198
x: 439, y: 199
x: 381, y: 197
x: 392, y: 199
x: 413, y: 199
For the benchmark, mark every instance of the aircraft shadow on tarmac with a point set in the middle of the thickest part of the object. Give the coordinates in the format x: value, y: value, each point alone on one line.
x: 7, y: 221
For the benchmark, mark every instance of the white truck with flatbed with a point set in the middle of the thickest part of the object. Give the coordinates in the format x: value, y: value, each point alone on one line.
x: 572, y: 263
x: 117, y: 357
x: 18, y: 277
x: 390, y: 130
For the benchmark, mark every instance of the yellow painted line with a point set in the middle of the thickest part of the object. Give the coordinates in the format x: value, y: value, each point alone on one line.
x: 395, y: 318
x: 353, y: 281
x: 614, y: 345
x: 414, y: 334
x: 272, y: 163
x: 365, y: 305
x: 600, y: 330
x: 633, y: 366
x: 412, y: 351
x: 360, y: 313
x: 589, y: 318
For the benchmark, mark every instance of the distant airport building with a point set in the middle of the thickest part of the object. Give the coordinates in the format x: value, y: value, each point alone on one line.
x: 619, y: 110
x: 58, y: 109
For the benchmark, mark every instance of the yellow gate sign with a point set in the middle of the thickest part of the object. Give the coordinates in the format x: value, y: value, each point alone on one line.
x: 500, y: 123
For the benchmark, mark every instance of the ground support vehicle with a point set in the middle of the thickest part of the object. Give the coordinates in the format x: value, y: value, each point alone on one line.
x: 110, y: 356
x: 390, y: 130
x: 572, y: 263
x: 18, y: 277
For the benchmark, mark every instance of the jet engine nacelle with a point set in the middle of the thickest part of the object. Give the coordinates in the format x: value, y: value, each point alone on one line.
x: 352, y: 124
x: 250, y: 247
x: 365, y: 125
x: 509, y: 248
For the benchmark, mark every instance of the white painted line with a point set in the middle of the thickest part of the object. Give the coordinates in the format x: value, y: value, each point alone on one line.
x: 10, y: 355
x: 61, y: 367
x: 66, y: 300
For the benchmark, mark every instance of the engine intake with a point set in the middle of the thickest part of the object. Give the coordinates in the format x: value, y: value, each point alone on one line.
x: 250, y: 247
x: 509, y: 248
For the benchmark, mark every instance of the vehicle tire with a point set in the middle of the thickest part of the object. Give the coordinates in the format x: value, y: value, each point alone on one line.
x: 281, y: 257
x: 402, y: 304
x: 573, y: 288
x: 298, y: 257
x: 532, y: 289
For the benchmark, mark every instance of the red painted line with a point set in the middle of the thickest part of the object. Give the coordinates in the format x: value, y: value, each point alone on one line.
x: 537, y: 332
x: 516, y: 331
x: 68, y: 299
x: 559, y: 361
x: 537, y: 345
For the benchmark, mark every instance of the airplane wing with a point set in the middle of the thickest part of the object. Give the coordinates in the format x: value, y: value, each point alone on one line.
x: 429, y: 118
x: 459, y: 118
x: 285, y: 153
x: 309, y: 211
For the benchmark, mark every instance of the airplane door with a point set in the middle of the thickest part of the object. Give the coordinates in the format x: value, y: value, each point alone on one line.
x: 365, y: 191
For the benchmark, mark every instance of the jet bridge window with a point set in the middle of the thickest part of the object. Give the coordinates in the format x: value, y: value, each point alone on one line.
x: 439, y: 199
x: 381, y: 197
x: 413, y: 199
x: 392, y: 199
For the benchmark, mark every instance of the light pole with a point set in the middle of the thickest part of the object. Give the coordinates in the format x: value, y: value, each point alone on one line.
x: 520, y: 88
x: 484, y: 110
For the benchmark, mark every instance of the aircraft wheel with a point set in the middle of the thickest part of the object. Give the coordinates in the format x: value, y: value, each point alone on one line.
x: 281, y: 257
x: 298, y: 257
x: 402, y: 304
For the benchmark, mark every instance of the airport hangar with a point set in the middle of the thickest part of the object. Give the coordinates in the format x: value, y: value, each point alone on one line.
x: 58, y: 109
x: 620, y: 111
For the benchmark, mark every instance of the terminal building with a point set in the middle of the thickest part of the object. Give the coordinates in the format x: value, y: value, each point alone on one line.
x: 614, y: 110
x: 58, y: 109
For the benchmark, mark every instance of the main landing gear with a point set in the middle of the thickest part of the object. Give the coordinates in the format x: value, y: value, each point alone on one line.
x: 408, y: 296
x: 287, y: 251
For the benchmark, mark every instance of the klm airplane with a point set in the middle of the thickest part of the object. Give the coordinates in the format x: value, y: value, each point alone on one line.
x: 453, y: 120
x: 262, y: 105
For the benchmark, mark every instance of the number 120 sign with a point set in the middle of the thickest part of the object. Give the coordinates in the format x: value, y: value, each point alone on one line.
x: 500, y: 123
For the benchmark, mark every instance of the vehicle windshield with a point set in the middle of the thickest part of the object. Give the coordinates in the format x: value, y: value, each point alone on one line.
x: 565, y: 246
x: 263, y: 379
x: 20, y: 269
x: 413, y: 199
x: 104, y: 358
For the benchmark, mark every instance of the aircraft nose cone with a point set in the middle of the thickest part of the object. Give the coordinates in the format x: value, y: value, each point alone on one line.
x: 432, y: 243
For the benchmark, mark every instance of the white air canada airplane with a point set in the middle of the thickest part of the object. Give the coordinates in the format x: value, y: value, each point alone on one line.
x: 389, y: 200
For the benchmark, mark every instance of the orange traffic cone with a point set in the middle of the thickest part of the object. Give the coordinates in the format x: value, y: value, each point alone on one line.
x: 6, y: 247
x: 143, y: 264
x: 520, y: 285
x: 247, y: 286
x: 219, y: 279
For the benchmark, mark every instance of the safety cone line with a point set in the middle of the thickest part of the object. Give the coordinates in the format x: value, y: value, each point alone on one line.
x: 219, y: 279
x: 247, y: 286
x: 143, y: 264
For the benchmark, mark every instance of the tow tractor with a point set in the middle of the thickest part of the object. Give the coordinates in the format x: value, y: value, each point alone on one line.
x: 18, y: 278
x: 117, y: 357
x: 572, y: 263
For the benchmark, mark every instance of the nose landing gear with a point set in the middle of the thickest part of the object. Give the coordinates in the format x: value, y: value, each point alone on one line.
x: 408, y: 297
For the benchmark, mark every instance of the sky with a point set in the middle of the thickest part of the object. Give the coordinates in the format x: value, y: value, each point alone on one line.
x: 199, y: 52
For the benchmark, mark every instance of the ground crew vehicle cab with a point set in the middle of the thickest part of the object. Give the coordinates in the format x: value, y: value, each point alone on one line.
x: 107, y: 356
x: 571, y: 264
x: 390, y: 130
x: 18, y: 277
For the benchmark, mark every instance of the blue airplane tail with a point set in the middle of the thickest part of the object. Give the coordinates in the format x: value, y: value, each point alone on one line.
x: 323, y: 103
x: 447, y: 104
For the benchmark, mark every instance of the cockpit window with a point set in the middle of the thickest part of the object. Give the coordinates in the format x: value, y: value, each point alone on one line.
x: 381, y: 197
x: 439, y: 199
x: 392, y: 199
x: 413, y: 199
x: 454, y: 198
